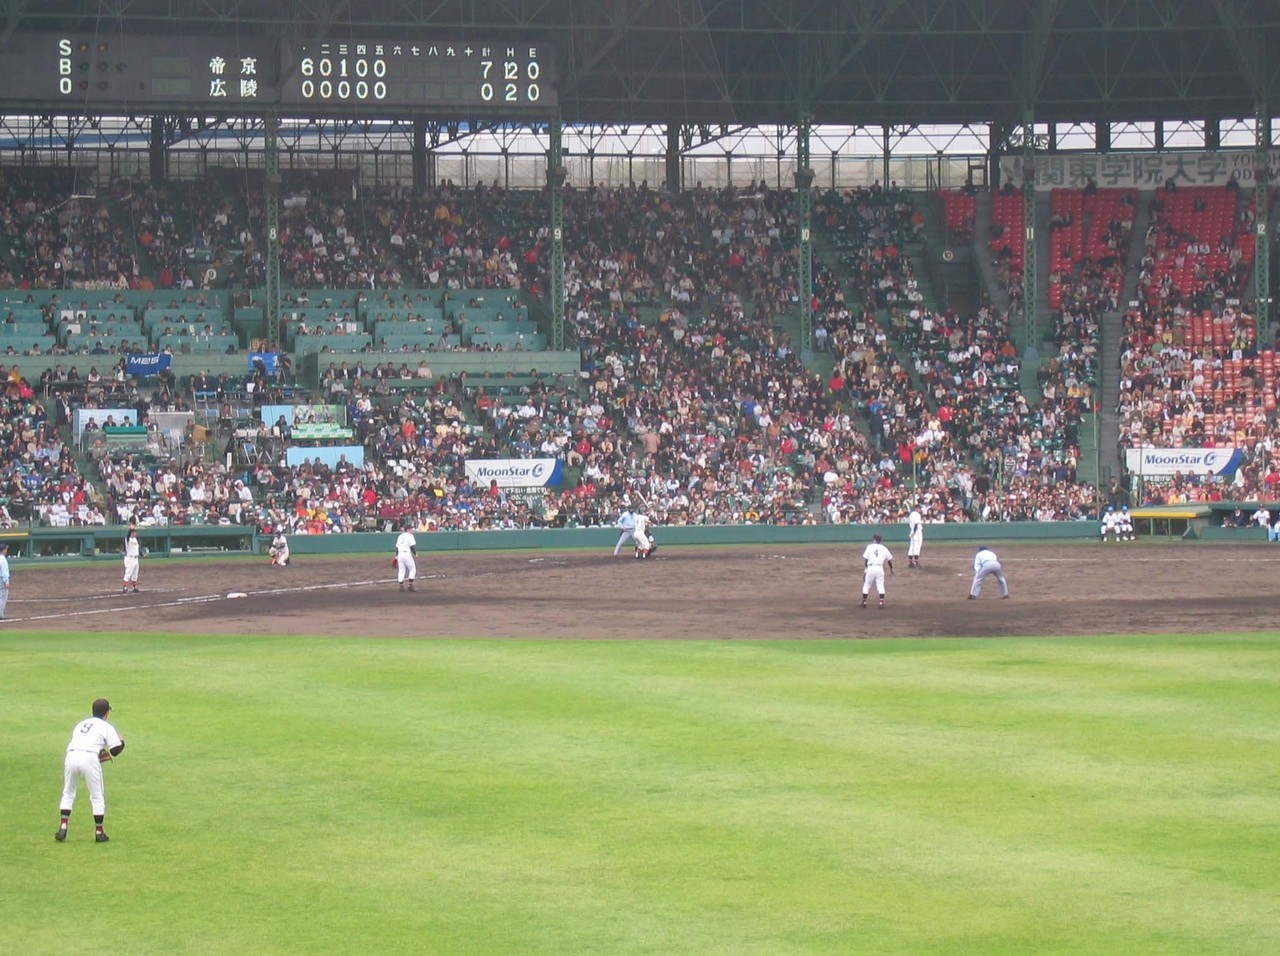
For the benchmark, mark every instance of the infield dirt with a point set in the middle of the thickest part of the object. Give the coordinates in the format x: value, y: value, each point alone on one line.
x: 679, y: 593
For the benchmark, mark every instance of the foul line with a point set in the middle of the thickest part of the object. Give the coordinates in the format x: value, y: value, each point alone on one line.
x: 205, y: 599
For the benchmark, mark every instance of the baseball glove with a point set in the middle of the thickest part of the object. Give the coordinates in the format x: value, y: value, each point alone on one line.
x: 395, y: 562
x: 104, y: 755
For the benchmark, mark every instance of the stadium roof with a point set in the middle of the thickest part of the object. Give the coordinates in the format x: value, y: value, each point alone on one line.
x: 772, y: 61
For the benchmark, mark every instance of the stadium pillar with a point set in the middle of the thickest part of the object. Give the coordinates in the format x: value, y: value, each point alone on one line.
x: 673, y: 157
x: 158, y: 150
x: 271, y: 199
x: 421, y: 181
x: 1029, y: 271
x: 555, y: 187
x: 1262, y: 245
x: 804, y: 213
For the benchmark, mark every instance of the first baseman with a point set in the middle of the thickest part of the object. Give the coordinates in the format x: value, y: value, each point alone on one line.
x: 406, y: 558
x: 132, y: 554
x: 875, y: 559
x: 915, y: 537
x: 93, y: 742
x: 280, y: 548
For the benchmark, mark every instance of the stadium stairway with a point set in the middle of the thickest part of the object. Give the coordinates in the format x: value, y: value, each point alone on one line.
x: 997, y: 294
x: 1044, y: 255
x: 1107, y: 393
x: 120, y: 214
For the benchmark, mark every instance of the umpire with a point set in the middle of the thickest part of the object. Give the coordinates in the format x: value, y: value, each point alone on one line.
x: 987, y: 565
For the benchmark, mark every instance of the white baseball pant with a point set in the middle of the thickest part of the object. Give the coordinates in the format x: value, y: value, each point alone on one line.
x: 406, y: 568
x: 83, y: 763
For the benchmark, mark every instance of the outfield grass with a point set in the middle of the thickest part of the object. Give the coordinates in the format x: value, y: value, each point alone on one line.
x: 285, y: 795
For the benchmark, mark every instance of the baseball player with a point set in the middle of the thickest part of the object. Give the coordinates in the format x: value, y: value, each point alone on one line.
x: 875, y: 559
x: 406, y: 559
x: 987, y: 565
x: 93, y: 742
x: 280, y: 548
x: 1124, y: 524
x: 915, y: 537
x: 627, y: 524
x: 4, y: 577
x: 640, y: 534
x: 1110, y: 527
x: 132, y: 558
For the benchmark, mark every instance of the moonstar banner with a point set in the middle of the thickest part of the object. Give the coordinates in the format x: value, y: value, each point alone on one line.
x: 1187, y: 461
x: 514, y: 472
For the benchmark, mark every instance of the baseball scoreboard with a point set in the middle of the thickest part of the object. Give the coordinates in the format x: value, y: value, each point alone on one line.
x: 97, y: 73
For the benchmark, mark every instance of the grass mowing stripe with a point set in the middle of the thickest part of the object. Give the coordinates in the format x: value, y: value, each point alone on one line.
x: 545, y: 797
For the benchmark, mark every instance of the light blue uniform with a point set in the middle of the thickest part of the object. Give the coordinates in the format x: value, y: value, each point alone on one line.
x: 627, y: 522
x: 987, y: 565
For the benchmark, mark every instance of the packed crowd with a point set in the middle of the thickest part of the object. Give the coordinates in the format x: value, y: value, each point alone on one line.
x: 39, y: 478
x: 706, y: 415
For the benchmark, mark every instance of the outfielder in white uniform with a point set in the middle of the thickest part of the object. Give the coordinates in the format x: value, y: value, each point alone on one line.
x: 915, y: 537
x: 280, y: 548
x: 875, y: 559
x: 627, y: 524
x: 132, y: 556
x: 91, y: 741
x: 406, y: 559
x: 644, y: 544
x: 987, y: 565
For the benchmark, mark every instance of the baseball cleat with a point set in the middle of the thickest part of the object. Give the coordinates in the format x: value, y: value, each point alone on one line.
x: 973, y: 597
x: 61, y: 836
x: 100, y: 837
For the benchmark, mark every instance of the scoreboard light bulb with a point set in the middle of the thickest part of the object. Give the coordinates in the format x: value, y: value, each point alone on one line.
x: 84, y: 47
x: 102, y: 47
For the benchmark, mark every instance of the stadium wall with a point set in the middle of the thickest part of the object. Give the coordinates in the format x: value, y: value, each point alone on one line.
x: 555, y: 539
x: 184, y: 541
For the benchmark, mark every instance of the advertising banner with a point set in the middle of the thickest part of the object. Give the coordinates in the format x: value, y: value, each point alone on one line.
x: 515, y: 472
x: 1138, y: 170
x: 270, y: 362
x: 1166, y: 462
x: 136, y: 363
